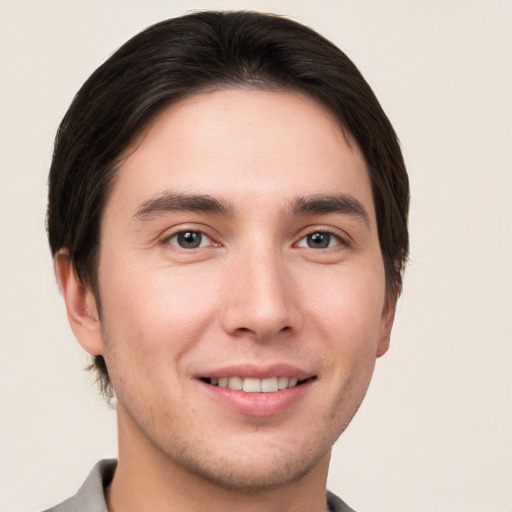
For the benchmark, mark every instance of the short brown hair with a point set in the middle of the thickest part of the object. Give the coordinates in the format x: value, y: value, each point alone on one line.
x: 186, y: 55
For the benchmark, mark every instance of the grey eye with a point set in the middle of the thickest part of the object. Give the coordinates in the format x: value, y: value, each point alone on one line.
x: 319, y: 240
x: 190, y: 239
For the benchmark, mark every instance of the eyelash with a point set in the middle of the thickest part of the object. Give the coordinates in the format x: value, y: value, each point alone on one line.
x: 184, y: 232
x: 340, y: 241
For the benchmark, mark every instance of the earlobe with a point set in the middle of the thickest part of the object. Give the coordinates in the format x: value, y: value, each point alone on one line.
x: 80, y: 305
x: 388, y: 317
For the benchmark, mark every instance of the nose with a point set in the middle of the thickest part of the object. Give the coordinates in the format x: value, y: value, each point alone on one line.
x: 261, y: 300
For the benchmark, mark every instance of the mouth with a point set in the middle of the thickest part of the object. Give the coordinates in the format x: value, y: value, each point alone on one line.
x: 258, y: 391
x: 256, y: 385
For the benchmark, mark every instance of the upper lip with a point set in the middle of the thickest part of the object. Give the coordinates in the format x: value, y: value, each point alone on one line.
x: 258, y: 372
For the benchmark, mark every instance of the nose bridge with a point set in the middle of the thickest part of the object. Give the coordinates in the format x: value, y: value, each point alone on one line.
x: 260, y: 293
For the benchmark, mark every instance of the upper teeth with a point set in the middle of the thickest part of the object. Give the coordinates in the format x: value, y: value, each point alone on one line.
x: 252, y: 385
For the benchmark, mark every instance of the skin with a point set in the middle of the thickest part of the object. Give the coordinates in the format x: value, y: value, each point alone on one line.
x: 254, y: 292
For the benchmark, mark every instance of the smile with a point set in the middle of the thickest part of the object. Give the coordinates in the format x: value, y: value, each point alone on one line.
x: 258, y: 391
x: 255, y: 385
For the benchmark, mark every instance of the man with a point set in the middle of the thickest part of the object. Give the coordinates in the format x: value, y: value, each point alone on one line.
x: 228, y: 217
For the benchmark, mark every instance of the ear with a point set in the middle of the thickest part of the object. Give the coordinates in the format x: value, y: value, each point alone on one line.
x: 80, y: 305
x: 386, y: 324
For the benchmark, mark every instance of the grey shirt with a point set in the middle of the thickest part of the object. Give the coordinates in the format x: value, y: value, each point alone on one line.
x: 91, y: 496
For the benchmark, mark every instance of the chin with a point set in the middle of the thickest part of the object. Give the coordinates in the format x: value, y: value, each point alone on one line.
x: 244, y: 474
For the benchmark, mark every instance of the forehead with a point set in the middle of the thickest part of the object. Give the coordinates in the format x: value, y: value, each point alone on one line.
x: 243, y: 144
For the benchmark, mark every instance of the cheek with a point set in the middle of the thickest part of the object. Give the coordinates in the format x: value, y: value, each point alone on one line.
x: 155, y: 309
x: 150, y: 324
x: 349, y: 306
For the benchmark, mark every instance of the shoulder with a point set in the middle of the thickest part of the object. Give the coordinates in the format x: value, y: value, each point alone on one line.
x: 336, y: 504
x: 90, y: 497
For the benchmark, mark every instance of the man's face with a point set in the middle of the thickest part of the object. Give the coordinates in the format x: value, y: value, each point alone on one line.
x: 239, y: 248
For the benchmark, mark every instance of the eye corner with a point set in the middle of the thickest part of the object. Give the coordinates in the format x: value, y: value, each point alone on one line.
x: 190, y: 239
x: 321, y: 239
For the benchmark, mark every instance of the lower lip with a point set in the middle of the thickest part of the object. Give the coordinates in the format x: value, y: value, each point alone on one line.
x: 258, y: 404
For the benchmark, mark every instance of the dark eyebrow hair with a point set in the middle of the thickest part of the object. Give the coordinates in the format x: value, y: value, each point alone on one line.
x: 169, y: 201
x: 325, y: 204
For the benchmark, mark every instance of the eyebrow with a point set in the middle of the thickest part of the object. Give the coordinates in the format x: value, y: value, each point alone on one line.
x: 318, y: 204
x: 169, y: 202
x: 327, y: 204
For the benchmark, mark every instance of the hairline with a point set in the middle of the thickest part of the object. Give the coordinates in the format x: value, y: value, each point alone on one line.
x: 263, y: 84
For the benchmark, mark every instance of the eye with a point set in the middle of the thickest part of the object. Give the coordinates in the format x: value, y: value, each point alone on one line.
x: 319, y: 240
x: 189, y: 239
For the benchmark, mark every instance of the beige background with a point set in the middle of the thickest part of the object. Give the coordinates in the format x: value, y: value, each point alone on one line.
x: 435, y: 432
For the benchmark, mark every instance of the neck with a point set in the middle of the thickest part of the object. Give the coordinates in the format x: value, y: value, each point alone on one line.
x: 147, y: 479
